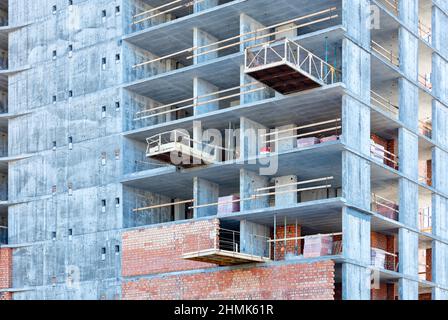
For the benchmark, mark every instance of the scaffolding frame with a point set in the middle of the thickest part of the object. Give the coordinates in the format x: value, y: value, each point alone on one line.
x: 289, y: 52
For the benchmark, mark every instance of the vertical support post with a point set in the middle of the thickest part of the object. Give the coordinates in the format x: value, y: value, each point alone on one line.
x: 439, y: 155
x: 356, y: 135
x: 204, y: 192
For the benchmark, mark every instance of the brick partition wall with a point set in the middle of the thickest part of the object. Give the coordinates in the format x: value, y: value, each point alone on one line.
x: 5, y: 272
x: 159, y: 249
x: 290, y: 248
x: 5, y: 268
x: 314, y: 281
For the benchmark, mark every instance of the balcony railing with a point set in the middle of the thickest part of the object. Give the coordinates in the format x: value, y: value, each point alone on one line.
x: 228, y: 247
x: 385, y: 207
x: 425, y: 128
x: 169, y: 8
x: 384, y: 260
x: 385, y: 53
x: 380, y: 154
x: 383, y: 103
x: 391, y: 5
x: 424, y: 32
x: 425, y: 81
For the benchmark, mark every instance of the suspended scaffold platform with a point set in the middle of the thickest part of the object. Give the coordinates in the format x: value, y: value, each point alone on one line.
x: 287, y: 67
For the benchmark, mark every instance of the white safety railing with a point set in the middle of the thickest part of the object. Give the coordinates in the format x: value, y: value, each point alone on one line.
x: 383, y: 259
x: 385, y: 53
x: 391, y: 5
x: 232, y: 241
x: 319, y: 130
x: 165, y: 9
x: 424, y: 32
x: 425, y: 81
x: 230, y: 94
x: 289, y: 52
x: 385, y: 207
x: 383, y: 103
x: 425, y: 219
x: 247, y: 38
x: 425, y: 179
x: 378, y: 152
x: 425, y: 128
x: 282, y: 245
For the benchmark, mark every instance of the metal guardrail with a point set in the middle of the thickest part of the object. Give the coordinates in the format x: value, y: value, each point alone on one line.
x: 391, y: 5
x: 390, y: 159
x: 425, y: 219
x: 382, y: 102
x: 157, y: 143
x: 385, y: 53
x: 385, y: 207
x: 290, y: 52
x: 424, y: 32
x: 231, y: 241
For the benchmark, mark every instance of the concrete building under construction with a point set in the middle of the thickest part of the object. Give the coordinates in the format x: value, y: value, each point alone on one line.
x: 224, y: 149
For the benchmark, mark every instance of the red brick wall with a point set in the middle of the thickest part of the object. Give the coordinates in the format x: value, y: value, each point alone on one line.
x: 385, y: 292
x: 429, y: 172
x: 5, y: 268
x: 425, y: 296
x: 290, y: 282
x: 281, y: 249
x: 429, y: 264
x: 159, y: 249
x: 5, y: 296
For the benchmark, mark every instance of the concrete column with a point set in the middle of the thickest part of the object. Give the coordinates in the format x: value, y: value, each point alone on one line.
x: 201, y: 88
x: 408, y: 103
x: 204, y: 5
x: 287, y: 33
x: 253, y: 238
x: 439, y: 26
x: 408, y: 150
x: 285, y: 198
x: 249, y: 183
x: 440, y: 157
x: 201, y: 38
x: 286, y: 141
x: 247, y: 27
x: 356, y: 135
x: 250, y: 134
x: 205, y: 192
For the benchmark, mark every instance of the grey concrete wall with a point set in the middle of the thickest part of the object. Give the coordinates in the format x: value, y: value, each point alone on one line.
x: 60, y: 189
